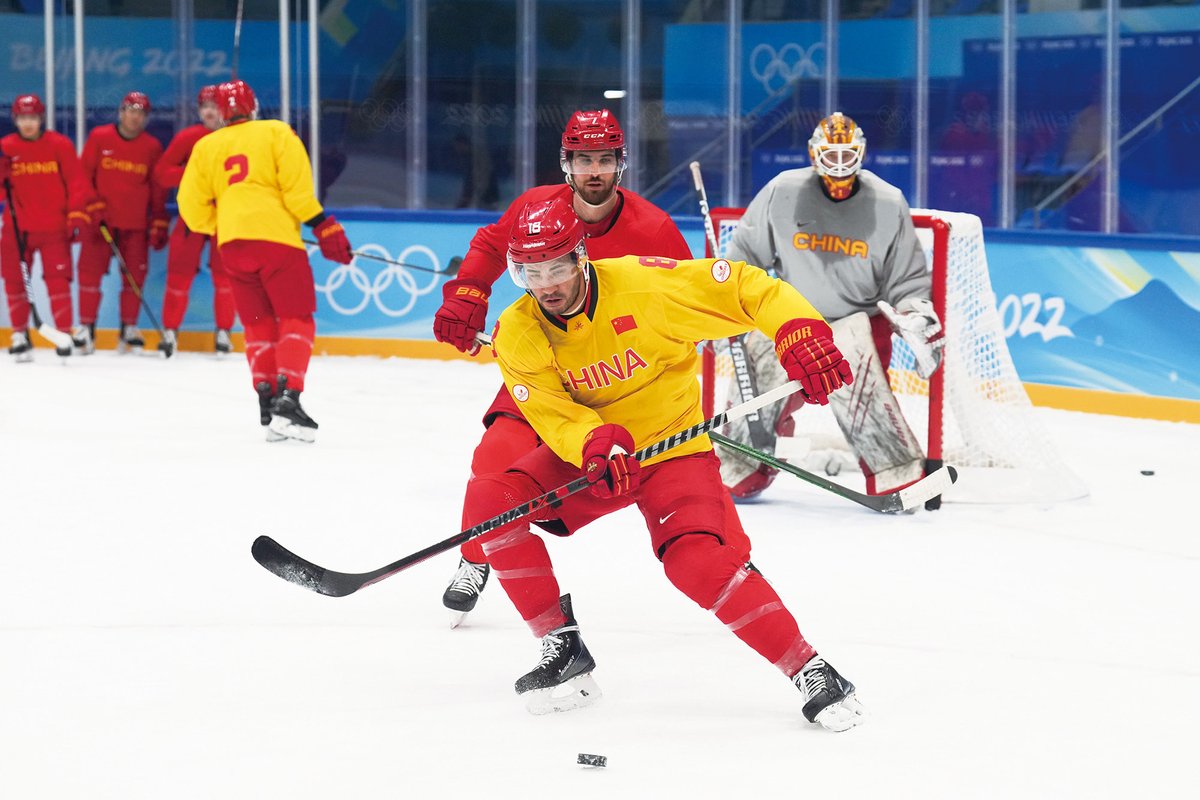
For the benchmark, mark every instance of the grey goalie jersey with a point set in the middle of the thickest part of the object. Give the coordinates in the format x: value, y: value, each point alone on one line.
x: 843, y: 257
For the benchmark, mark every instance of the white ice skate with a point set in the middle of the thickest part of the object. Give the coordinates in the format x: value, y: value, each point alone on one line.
x: 131, y: 340
x: 20, y: 349
x: 222, y: 343
x: 83, y: 338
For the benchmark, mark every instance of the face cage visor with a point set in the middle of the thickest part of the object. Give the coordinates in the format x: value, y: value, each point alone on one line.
x: 544, y: 274
x: 838, y: 160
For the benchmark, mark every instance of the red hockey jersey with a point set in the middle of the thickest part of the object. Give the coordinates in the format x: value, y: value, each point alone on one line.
x: 120, y: 170
x: 47, y: 181
x: 169, y: 169
x: 635, y: 227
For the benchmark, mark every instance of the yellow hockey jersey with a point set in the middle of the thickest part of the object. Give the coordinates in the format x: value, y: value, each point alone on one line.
x: 253, y: 181
x: 629, y: 356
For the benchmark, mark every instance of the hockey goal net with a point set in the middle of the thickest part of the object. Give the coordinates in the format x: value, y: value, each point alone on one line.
x: 973, y: 413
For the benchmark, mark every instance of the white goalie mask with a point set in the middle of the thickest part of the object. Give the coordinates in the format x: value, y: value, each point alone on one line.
x: 837, y: 149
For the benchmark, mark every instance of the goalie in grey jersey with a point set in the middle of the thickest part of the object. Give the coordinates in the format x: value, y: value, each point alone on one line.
x: 845, y: 238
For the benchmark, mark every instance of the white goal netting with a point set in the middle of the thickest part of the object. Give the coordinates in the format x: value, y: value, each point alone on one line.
x: 988, y: 428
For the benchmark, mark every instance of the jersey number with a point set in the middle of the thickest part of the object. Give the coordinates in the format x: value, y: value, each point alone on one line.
x: 657, y: 261
x: 238, y: 165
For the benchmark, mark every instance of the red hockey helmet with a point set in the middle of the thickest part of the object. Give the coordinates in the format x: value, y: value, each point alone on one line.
x: 550, y: 235
x: 28, y: 104
x: 593, y: 130
x: 207, y: 94
x: 136, y: 100
x: 236, y: 99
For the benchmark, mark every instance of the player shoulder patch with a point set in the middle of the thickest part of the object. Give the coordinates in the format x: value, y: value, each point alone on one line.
x: 721, y: 270
x: 520, y: 393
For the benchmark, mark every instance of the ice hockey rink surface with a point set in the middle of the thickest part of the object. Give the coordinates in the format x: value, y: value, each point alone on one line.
x: 1022, y: 651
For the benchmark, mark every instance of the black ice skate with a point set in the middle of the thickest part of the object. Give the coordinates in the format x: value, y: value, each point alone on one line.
x: 463, y: 592
x: 168, y: 343
x: 265, y: 398
x: 829, y: 698
x: 288, y: 419
x: 562, y: 680
x: 84, y: 339
x: 131, y: 340
x: 20, y: 349
x: 221, y: 341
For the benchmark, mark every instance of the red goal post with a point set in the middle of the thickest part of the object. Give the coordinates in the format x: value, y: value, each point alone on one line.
x: 973, y: 412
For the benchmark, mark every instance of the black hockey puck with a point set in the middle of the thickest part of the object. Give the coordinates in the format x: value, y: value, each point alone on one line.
x: 1147, y: 472
x: 589, y: 760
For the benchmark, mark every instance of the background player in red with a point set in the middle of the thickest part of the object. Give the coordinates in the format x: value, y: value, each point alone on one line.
x: 601, y: 356
x: 617, y: 221
x: 250, y: 184
x: 48, y: 192
x: 118, y: 161
x: 183, y: 255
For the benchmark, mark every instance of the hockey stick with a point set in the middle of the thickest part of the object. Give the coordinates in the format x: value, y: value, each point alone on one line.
x: 108, y: 237
x: 906, y: 499
x: 237, y: 41
x: 747, y: 385
x: 450, y: 271
x: 59, y: 338
x: 287, y: 565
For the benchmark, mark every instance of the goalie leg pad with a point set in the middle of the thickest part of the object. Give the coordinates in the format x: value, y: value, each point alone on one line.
x: 743, y: 476
x: 869, y: 414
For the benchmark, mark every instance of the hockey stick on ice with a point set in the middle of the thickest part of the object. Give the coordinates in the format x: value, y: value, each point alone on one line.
x: 450, y: 271
x: 747, y: 385
x: 906, y: 499
x: 108, y: 237
x: 58, y: 338
x: 291, y: 567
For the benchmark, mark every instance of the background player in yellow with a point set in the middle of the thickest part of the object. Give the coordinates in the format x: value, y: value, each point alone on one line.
x: 601, y: 358
x: 250, y: 183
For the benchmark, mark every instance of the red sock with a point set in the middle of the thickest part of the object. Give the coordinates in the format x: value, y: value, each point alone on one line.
x: 293, y: 349
x: 260, y: 350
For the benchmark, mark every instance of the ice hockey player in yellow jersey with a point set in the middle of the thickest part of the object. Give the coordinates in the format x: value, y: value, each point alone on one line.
x: 601, y: 358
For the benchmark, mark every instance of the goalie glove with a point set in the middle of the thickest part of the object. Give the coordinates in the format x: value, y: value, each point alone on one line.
x: 915, y: 321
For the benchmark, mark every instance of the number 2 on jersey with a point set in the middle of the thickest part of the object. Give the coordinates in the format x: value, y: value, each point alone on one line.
x: 239, y: 165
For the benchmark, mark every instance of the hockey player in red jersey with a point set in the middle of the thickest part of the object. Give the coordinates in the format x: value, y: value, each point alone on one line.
x: 183, y: 255
x: 617, y: 222
x: 41, y: 180
x: 601, y: 357
x: 250, y: 184
x: 118, y: 161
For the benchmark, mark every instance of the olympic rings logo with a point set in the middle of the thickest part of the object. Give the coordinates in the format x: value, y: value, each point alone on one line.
x: 391, y: 282
x: 775, y: 69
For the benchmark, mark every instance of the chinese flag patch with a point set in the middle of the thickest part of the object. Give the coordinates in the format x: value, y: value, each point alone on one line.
x: 625, y: 323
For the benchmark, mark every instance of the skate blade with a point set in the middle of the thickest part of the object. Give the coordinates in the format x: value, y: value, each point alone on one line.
x: 456, y: 618
x: 290, y: 430
x: 842, y: 716
x: 23, y: 358
x: 272, y: 436
x: 579, y: 692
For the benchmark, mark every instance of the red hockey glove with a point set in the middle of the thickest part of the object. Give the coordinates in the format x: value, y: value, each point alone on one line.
x: 332, y: 239
x: 805, y: 349
x: 607, y: 464
x: 158, y: 234
x: 94, y: 211
x: 463, y: 313
x: 77, y: 222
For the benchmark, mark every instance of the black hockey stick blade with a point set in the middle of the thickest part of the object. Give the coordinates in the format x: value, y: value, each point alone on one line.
x: 910, y: 497
x: 280, y: 561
